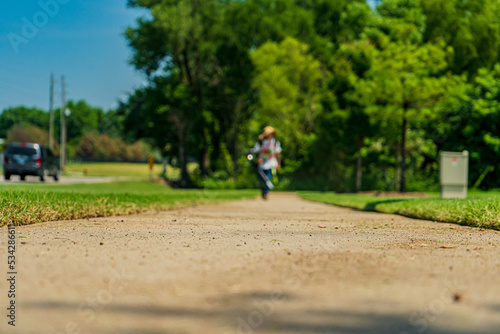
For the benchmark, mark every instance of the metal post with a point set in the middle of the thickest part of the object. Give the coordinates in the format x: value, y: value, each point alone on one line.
x: 63, y: 125
x: 51, y: 111
x: 151, y: 163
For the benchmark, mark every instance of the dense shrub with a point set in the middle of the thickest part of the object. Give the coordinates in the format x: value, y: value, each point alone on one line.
x: 101, y: 146
x: 28, y: 134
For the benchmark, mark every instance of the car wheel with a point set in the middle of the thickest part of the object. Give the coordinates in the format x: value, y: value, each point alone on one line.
x: 45, y: 173
x: 22, y: 177
x: 6, y: 176
x: 56, y: 175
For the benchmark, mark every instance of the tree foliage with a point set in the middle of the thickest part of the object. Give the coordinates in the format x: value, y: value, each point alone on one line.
x: 22, y: 116
x: 27, y: 133
x: 289, y: 85
x: 362, y: 97
x: 470, y: 27
x: 356, y: 93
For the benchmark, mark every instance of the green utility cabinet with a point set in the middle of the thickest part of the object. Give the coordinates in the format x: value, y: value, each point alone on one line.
x: 454, y: 174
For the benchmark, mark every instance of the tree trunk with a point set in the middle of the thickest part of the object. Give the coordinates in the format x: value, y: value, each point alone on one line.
x: 197, y: 87
x: 234, y: 144
x: 203, y: 157
x: 204, y: 160
x: 235, y: 156
x: 359, y: 167
x: 402, y: 184
x: 182, y: 160
x: 394, y: 185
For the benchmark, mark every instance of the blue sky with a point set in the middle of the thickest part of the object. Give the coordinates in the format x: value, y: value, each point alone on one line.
x: 81, y: 39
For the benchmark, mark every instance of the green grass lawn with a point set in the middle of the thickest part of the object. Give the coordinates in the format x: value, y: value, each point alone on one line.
x: 34, y: 203
x: 122, y: 169
x: 113, y: 169
x: 481, y: 209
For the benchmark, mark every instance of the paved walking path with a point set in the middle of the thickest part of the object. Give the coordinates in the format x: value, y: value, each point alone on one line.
x: 282, y: 266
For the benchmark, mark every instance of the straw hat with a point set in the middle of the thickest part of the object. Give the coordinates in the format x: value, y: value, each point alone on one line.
x: 268, y: 130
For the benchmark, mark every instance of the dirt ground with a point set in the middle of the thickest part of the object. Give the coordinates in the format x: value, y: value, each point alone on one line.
x: 282, y: 266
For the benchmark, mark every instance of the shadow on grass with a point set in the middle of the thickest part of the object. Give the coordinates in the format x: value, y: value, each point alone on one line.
x: 372, y: 206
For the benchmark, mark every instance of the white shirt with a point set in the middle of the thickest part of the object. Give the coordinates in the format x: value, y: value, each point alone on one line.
x: 267, y: 150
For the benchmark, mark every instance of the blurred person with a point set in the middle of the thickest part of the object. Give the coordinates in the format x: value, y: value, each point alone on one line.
x: 268, y: 150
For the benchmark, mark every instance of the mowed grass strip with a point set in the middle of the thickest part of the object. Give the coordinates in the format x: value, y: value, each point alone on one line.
x: 479, y: 210
x: 29, y: 204
x: 123, y: 169
x: 120, y: 169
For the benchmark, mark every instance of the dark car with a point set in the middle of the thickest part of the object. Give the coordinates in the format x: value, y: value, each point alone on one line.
x: 30, y: 159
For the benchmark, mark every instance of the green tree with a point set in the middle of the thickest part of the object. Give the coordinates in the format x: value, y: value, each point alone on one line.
x: 352, y: 60
x: 22, y: 116
x: 334, y: 22
x: 401, y: 20
x: 289, y: 83
x: 161, y: 112
x: 202, y: 49
x: 82, y: 118
x: 341, y: 82
x: 243, y: 27
x: 473, y: 125
x: 470, y: 27
x: 175, y: 43
x: 111, y: 123
x: 404, y: 84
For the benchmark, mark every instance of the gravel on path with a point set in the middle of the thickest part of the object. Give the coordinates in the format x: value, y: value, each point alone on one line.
x: 281, y: 266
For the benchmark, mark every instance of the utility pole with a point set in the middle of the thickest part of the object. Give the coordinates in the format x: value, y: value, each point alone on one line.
x: 63, y: 124
x: 51, y: 111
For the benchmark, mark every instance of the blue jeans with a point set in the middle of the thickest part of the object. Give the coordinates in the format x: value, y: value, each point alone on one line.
x: 263, y: 185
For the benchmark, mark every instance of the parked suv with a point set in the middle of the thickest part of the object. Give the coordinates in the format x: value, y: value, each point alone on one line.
x: 30, y: 159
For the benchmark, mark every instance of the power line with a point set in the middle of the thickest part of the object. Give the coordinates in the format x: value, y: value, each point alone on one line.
x: 22, y: 90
